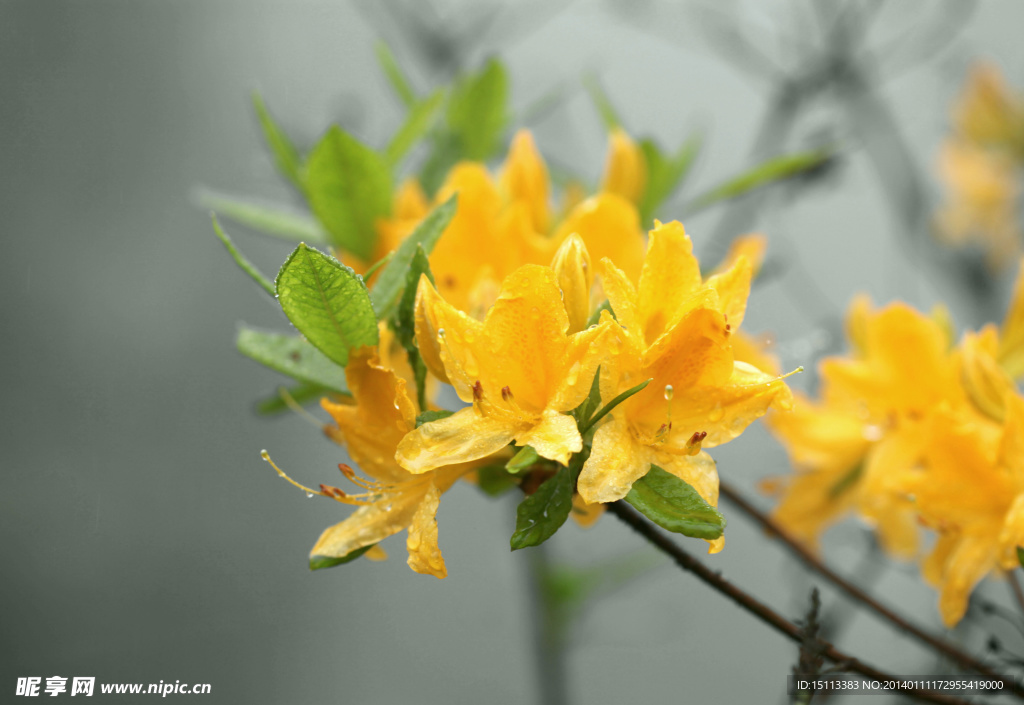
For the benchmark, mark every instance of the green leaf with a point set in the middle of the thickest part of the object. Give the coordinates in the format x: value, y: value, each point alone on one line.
x: 541, y: 514
x: 522, y: 460
x: 320, y: 562
x: 603, y: 103
x: 327, y: 302
x: 428, y: 416
x: 664, y: 174
x: 846, y: 481
x: 417, y: 123
x: 478, y: 111
x: 277, y: 220
x: 587, y: 407
x: 769, y: 172
x: 1020, y: 556
x: 395, y: 75
x: 392, y: 278
x: 595, y: 317
x: 285, y: 155
x: 349, y: 188
x: 293, y: 356
x: 404, y: 321
x: 301, y: 394
x: 405, y: 313
x: 241, y: 260
x: 494, y: 480
x: 673, y: 504
x: 612, y: 404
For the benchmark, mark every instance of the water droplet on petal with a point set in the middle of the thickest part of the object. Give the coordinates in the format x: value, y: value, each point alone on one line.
x: 309, y: 495
x: 669, y: 392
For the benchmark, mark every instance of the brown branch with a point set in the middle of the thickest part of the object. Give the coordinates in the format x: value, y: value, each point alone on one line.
x: 962, y: 658
x: 755, y: 607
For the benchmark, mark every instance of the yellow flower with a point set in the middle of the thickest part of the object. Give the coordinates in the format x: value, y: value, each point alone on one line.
x: 505, y: 222
x: 971, y: 491
x: 983, y: 190
x: 850, y: 449
x: 675, y: 330
x: 987, y: 113
x: 518, y: 368
x: 394, y: 499
x: 625, y: 171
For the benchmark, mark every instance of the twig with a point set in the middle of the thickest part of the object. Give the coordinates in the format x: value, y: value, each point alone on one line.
x: 811, y: 561
x: 766, y: 614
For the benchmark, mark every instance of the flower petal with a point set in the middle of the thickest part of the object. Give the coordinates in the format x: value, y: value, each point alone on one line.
x: 462, y: 437
x: 973, y: 557
x: 525, y: 179
x: 621, y: 295
x: 368, y: 525
x: 450, y: 350
x: 586, y: 351
x: 610, y: 227
x: 586, y: 515
x: 424, y: 554
x: 616, y: 461
x: 572, y: 270
x: 733, y: 287
x: 1011, y: 338
x: 625, y: 170
x: 670, y: 275
x: 555, y: 437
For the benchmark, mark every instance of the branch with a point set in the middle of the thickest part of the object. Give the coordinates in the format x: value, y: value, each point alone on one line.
x: 852, y: 591
x: 756, y: 608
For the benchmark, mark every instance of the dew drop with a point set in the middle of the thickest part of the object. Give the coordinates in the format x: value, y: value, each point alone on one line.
x: 872, y: 433
x: 669, y: 392
x: 592, y: 327
x: 309, y: 495
x: 716, y: 414
x: 440, y: 333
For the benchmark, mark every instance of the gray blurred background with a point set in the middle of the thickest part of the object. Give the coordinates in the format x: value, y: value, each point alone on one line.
x: 142, y: 537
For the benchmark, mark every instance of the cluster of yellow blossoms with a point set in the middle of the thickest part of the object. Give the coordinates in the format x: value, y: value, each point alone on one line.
x: 514, y: 322
x: 980, y: 165
x: 910, y: 430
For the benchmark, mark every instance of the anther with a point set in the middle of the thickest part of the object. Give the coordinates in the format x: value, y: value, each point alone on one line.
x: 506, y: 393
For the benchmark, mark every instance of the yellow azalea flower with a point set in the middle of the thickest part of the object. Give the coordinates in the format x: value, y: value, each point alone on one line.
x: 871, y: 426
x: 518, y: 368
x: 505, y: 222
x: 971, y: 491
x: 394, y: 499
x: 987, y: 113
x: 625, y: 171
x: 676, y: 331
x: 983, y: 190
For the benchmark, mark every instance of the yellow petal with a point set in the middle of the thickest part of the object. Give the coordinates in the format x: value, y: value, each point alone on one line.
x: 522, y: 344
x: 934, y: 566
x: 986, y: 383
x: 376, y: 554
x: 585, y: 352
x: 572, y: 270
x: 1011, y: 536
x: 752, y: 246
x: 621, y: 295
x: 755, y: 351
x: 410, y: 202
x: 973, y: 557
x: 669, y: 277
x: 383, y: 414
x: 610, y: 227
x: 616, y: 461
x: 733, y: 287
x: 698, y: 471
x: 366, y: 526
x: 555, y: 437
x: 1011, y: 338
x: 625, y: 171
x: 444, y: 335
x: 424, y: 554
x: 586, y: 515
x: 525, y: 179
x: 462, y: 437
x: 809, y: 504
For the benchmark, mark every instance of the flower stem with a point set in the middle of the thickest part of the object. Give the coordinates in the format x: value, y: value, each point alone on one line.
x: 962, y: 658
x: 757, y: 608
